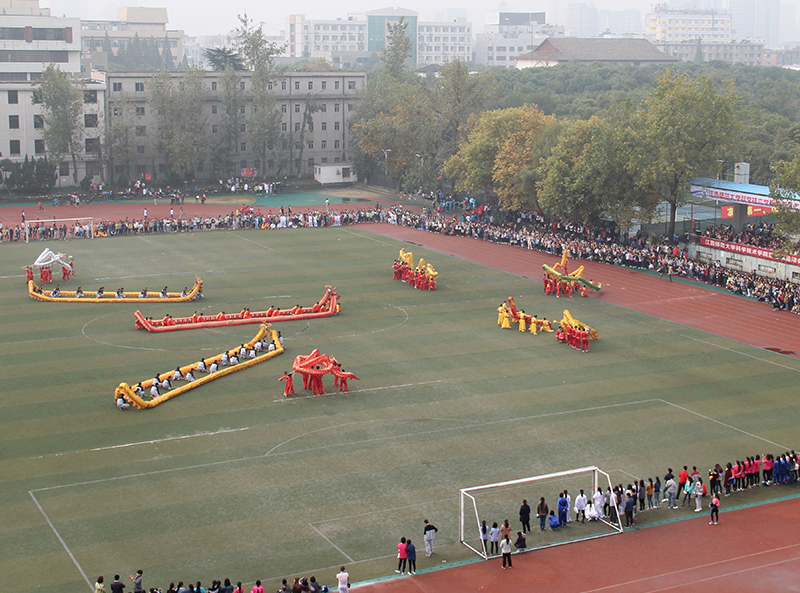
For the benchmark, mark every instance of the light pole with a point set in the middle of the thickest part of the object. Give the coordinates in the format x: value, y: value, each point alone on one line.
x: 421, y: 157
x: 386, y: 152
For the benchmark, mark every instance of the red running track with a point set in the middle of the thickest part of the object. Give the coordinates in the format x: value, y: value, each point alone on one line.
x: 751, y: 550
x: 685, y: 302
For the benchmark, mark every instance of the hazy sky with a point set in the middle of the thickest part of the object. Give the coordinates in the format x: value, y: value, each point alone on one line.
x: 206, y: 18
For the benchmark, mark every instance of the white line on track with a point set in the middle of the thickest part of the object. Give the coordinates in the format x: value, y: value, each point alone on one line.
x: 682, y: 583
x: 187, y: 436
x: 250, y: 241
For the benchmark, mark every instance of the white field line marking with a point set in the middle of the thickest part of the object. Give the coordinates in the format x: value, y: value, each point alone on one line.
x: 14, y: 276
x: 476, y: 423
x: 666, y: 575
x: 250, y: 241
x: 294, y: 398
x: 704, y: 417
x: 407, y: 506
x: 187, y: 436
x: 39, y: 340
x: 380, y: 330
x: 360, y: 236
x: 61, y: 541
x: 323, y: 536
x: 172, y: 274
x: 83, y: 331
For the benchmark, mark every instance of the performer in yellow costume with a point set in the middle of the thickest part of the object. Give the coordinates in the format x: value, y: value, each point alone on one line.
x: 500, y: 311
x: 505, y: 319
x: 522, y: 320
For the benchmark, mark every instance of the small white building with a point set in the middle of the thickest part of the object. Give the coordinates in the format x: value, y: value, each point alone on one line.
x: 339, y: 173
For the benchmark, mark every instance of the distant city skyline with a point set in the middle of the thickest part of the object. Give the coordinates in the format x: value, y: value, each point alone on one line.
x: 188, y: 16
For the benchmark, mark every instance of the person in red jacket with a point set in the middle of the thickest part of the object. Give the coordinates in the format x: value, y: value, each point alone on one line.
x: 28, y: 274
x: 288, y: 389
x: 343, y: 380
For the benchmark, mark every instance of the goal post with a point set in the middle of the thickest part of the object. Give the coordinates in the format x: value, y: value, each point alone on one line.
x: 479, y: 502
x: 86, y: 223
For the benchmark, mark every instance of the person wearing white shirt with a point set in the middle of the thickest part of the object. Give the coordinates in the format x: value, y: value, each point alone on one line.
x: 580, y: 507
x: 344, y: 580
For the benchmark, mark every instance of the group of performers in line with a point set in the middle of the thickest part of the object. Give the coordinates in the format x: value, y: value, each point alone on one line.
x: 576, y: 337
x: 313, y: 380
x: 416, y: 278
x: 553, y: 285
x: 506, y: 315
x: 420, y: 276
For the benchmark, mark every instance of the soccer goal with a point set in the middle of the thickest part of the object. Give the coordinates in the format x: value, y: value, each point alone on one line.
x: 495, y: 502
x: 76, y: 227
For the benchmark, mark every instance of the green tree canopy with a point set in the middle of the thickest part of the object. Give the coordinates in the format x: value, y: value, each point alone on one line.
x: 61, y: 97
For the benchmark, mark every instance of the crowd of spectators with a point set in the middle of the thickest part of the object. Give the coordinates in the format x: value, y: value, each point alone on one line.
x: 300, y: 585
x: 525, y: 229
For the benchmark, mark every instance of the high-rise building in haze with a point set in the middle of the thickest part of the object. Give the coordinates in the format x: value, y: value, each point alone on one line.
x: 756, y: 20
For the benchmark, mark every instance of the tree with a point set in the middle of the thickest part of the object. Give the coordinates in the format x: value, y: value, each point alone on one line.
x: 316, y: 65
x: 264, y: 124
x: 473, y: 165
x: 787, y: 211
x: 61, y: 97
x: 516, y: 165
x: 222, y: 57
x: 398, y: 47
x: 253, y: 45
x: 120, y: 138
x: 689, y: 125
x: 232, y: 100
x: 166, y: 55
x: 180, y: 123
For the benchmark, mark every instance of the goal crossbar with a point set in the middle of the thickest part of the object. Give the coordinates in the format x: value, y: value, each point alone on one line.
x: 466, y: 498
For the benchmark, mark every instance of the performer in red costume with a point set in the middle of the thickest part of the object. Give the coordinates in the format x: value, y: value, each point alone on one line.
x: 65, y: 271
x: 343, y: 380
x: 288, y: 389
x: 585, y: 340
x: 28, y: 274
x: 396, y: 268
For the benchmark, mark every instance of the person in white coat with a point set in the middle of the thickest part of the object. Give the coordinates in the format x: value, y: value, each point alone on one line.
x: 599, y: 500
x: 580, y: 507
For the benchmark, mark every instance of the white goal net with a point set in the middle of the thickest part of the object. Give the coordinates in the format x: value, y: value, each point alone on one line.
x: 497, y: 502
x: 59, y: 228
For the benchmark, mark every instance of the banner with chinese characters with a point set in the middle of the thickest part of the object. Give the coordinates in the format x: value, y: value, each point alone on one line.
x: 751, y: 250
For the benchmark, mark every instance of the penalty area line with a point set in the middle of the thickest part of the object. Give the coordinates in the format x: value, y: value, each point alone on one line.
x: 323, y: 536
x: 354, y: 391
x: 187, y: 436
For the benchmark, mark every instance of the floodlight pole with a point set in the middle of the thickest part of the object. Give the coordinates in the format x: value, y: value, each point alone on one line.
x: 386, y: 152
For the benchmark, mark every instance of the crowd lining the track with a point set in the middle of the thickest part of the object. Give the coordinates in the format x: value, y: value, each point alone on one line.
x: 527, y: 229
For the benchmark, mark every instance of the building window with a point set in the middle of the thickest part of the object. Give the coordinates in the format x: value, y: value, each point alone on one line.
x: 283, y: 108
x: 323, y: 144
x: 213, y: 86
x: 90, y: 120
x: 200, y: 166
x: 336, y: 143
x: 269, y: 86
x: 38, y: 122
x: 38, y: 146
x: 241, y: 85
x: 116, y: 87
x: 138, y: 87
x: 283, y: 85
x: 213, y: 128
x: 243, y: 147
x: 297, y: 126
x: 270, y: 164
x: 13, y: 97
x: 242, y: 110
x: 297, y: 85
x: 92, y: 145
x: 336, y: 125
x: 283, y: 127
x: 297, y: 107
x: 141, y: 169
x: 336, y: 84
x: 351, y: 84
x: 350, y: 107
x: 336, y: 159
x: 213, y: 110
x: 311, y: 163
x: 13, y: 122
x: 90, y: 96
x: 323, y: 108
x: 336, y: 107
x: 162, y: 167
x: 243, y: 128
x: 140, y: 149
x: 141, y: 130
x: 324, y: 84
x: 324, y: 159
x: 310, y: 85
x: 310, y: 144
x: 324, y: 126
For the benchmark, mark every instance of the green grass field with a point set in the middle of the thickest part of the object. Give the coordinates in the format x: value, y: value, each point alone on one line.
x: 233, y: 480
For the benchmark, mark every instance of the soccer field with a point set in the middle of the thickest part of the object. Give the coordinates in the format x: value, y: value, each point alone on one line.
x: 233, y: 480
